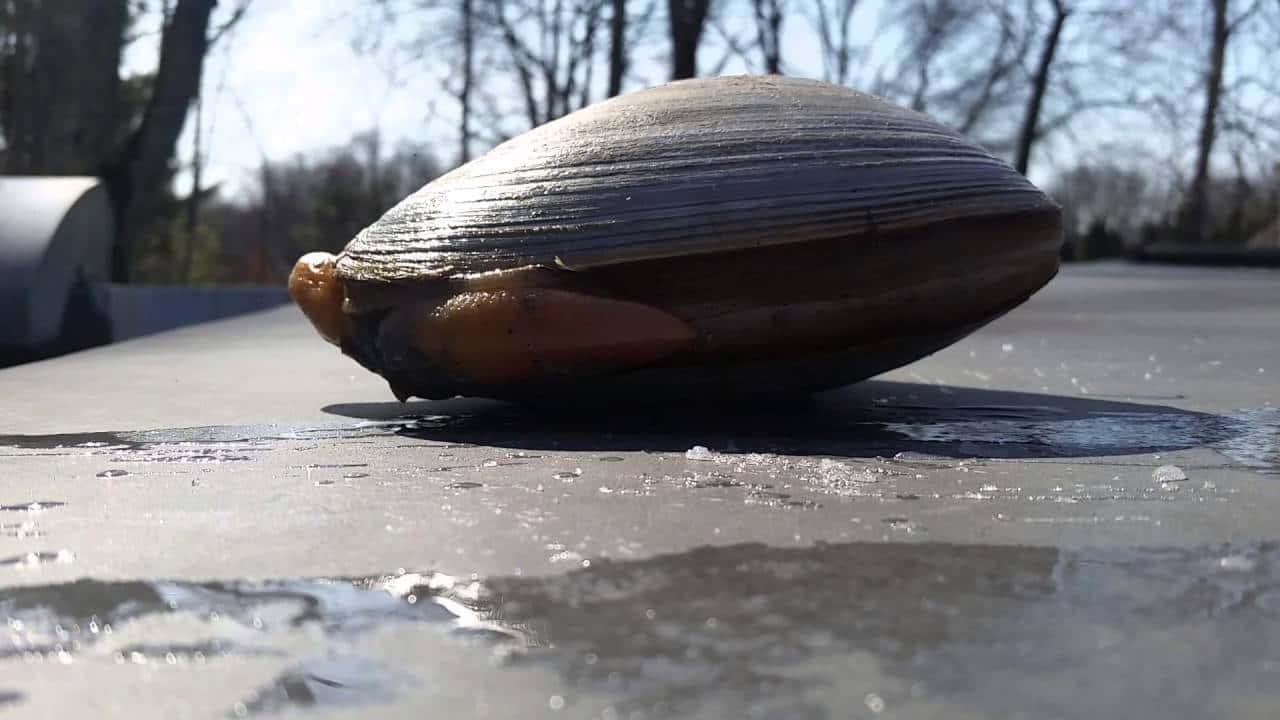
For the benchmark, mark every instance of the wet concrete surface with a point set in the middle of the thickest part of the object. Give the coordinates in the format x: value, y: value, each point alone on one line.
x: 1070, y: 514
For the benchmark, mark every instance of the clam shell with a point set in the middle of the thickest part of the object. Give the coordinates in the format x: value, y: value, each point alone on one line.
x: 694, y: 167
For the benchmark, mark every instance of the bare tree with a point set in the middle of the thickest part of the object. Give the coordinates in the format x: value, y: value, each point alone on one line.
x: 1013, y: 73
x: 551, y: 49
x: 958, y: 60
x: 832, y: 20
x: 452, y: 33
x: 1193, y: 214
x: 468, y: 41
x: 317, y: 201
x: 994, y: 81
x: 769, y: 15
x: 198, y: 192
x: 687, y: 19
x: 626, y: 31
x: 1031, y: 129
x: 618, y: 59
x: 60, y: 91
x: 931, y: 28
x: 139, y: 169
x: 1120, y: 198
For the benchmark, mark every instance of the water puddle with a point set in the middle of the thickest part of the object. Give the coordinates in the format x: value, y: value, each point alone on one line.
x: 326, y: 682
x: 207, y: 626
x: 1257, y: 445
x: 1007, y: 425
x: 33, y: 506
x: 32, y: 559
x: 734, y: 631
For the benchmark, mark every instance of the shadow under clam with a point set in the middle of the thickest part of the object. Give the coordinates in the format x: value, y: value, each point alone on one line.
x: 866, y: 419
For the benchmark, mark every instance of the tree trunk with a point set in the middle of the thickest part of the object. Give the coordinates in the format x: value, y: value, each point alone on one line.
x: 468, y: 74
x: 1195, y: 210
x: 193, y: 200
x: 769, y: 33
x: 832, y: 25
x: 61, y: 85
x: 136, y: 176
x: 1039, y: 83
x: 617, y: 46
x: 687, y: 20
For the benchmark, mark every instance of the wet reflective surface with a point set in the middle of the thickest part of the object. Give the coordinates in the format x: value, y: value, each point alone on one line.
x: 738, y: 631
x: 1071, y: 514
x: 851, y: 607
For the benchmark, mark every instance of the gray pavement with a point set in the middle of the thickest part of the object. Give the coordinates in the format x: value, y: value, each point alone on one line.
x: 233, y: 519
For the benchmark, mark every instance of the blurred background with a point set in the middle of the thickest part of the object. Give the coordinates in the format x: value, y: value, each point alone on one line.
x: 227, y: 138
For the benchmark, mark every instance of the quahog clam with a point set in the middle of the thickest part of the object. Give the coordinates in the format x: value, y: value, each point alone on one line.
x: 736, y: 234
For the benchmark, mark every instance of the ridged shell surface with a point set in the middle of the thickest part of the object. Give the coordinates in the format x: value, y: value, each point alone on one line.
x: 697, y: 166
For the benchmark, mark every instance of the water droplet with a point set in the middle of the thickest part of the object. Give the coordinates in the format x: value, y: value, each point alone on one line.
x: 355, y: 475
x: 489, y: 463
x: 569, y: 475
x: 1007, y: 347
x: 650, y: 614
x: 556, y: 702
x: 565, y: 556
x: 874, y: 702
x: 113, y: 473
